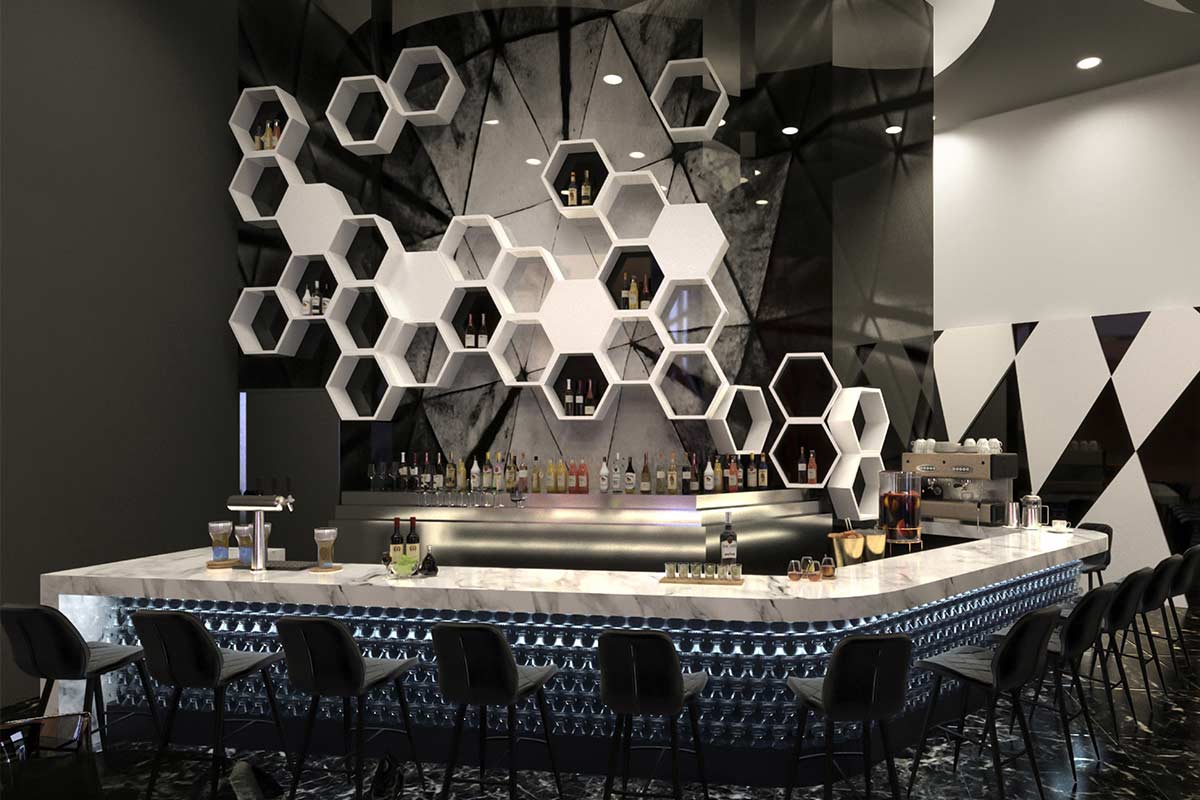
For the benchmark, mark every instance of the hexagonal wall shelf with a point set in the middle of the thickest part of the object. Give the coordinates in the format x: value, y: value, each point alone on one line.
x: 310, y: 216
x: 754, y: 440
x: 254, y: 108
x: 298, y: 276
x: 854, y: 487
x: 636, y: 346
x: 690, y: 68
x: 804, y: 386
x: 688, y: 382
x: 262, y: 326
x: 579, y: 318
x: 793, y: 444
x: 588, y: 161
x: 522, y: 277
x: 356, y: 317
x: 858, y: 420
x: 473, y: 243
x: 586, y: 372
x: 361, y: 391
x: 410, y: 60
x: 687, y: 242
x: 626, y: 261
x: 477, y: 304
x: 632, y: 203
x: 364, y: 241
x: 691, y: 311
x: 259, y: 187
x: 521, y: 351
x: 417, y: 286
x: 363, y: 117
x: 419, y: 352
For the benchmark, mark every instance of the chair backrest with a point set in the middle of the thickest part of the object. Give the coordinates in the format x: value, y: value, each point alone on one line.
x: 179, y: 649
x: 44, y: 642
x: 640, y: 672
x: 322, y: 657
x: 1161, y: 580
x: 1189, y: 571
x: 867, y: 678
x: 475, y: 664
x: 1082, y: 627
x: 1128, y: 599
x: 1020, y: 655
x: 1101, y: 559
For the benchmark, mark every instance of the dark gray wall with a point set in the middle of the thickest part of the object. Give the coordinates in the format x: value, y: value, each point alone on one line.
x: 119, y: 385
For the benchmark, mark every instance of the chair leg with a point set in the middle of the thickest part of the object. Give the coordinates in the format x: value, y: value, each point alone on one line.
x: 676, y: 785
x: 828, y: 759
x: 1112, y: 644
x: 1170, y: 639
x: 989, y: 729
x: 1037, y: 775
x: 298, y: 766
x: 101, y: 711
x: 794, y: 767
x: 614, y: 750
x: 218, y: 741
x: 360, y: 745
x: 44, y: 701
x: 483, y: 732
x: 408, y: 732
x: 1179, y: 632
x: 694, y: 716
x: 512, y: 752
x: 547, y: 724
x: 1141, y: 657
x: 937, y: 689
x: 866, y: 747
x: 1154, y: 653
x: 89, y: 699
x: 270, y: 689
x: 1083, y: 705
x: 164, y: 739
x: 893, y: 780
x: 962, y: 723
x: 627, y: 753
x: 1108, y: 693
x: 148, y: 691
x: 347, y: 736
x: 1064, y: 718
x: 459, y: 716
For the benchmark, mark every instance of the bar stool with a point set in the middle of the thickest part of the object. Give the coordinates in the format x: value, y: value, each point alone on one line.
x: 45, y: 645
x: 323, y: 660
x: 181, y: 653
x: 476, y: 668
x: 1095, y: 565
x: 1185, y: 580
x: 1155, y: 599
x: 866, y: 681
x: 640, y: 675
x: 1120, y: 618
x: 1003, y: 672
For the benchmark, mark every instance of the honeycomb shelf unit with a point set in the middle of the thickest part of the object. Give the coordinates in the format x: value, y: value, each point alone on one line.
x: 689, y: 305
x: 804, y: 386
x: 858, y: 420
x: 690, y: 68
x: 412, y: 59
x: 361, y: 391
x: 786, y: 451
x: 631, y: 203
x: 522, y: 277
x: 262, y: 325
x: 346, y: 104
x: 521, y: 351
x: 473, y: 243
x: 260, y: 186
x: 582, y: 366
x: 578, y: 156
x: 693, y: 371
x: 853, y: 486
x: 255, y: 105
x: 754, y: 401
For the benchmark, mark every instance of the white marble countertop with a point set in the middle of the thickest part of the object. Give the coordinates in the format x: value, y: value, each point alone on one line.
x: 875, y: 588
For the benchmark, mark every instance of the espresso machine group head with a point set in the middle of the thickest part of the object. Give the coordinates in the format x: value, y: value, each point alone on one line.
x: 259, y: 504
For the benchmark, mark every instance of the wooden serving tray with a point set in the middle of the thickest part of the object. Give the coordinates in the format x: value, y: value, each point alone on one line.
x: 704, y: 581
x: 334, y: 568
x: 228, y: 563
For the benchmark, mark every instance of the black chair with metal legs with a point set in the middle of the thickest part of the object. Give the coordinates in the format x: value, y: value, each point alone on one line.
x: 45, y: 645
x: 476, y: 668
x: 1154, y: 598
x: 181, y: 654
x: 866, y: 682
x: 1004, y: 672
x: 324, y: 661
x: 1120, y: 618
x: 1185, y: 581
x: 640, y: 675
x: 1095, y: 565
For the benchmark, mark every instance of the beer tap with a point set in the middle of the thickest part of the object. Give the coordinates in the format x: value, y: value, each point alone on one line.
x: 259, y: 504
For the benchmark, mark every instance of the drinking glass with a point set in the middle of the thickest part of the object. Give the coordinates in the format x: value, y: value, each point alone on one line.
x: 371, y: 476
x: 827, y: 567
x: 806, y: 564
x: 325, y: 537
x: 245, y: 541
x: 794, y: 570
x: 671, y: 569
x: 814, y: 571
x: 219, y: 533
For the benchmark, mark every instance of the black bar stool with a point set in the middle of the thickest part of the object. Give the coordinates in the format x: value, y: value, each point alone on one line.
x: 476, y: 668
x: 323, y: 660
x: 1155, y: 599
x: 1185, y: 581
x: 1015, y: 662
x: 1120, y: 618
x: 1095, y: 565
x: 45, y: 645
x: 640, y: 675
x: 181, y: 653
x: 866, y: 681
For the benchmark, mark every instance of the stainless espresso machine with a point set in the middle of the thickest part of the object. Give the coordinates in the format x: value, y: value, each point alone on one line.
x: 966, y: 487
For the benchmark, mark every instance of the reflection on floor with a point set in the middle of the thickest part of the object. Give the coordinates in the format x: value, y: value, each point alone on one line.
x: 1159, y: 757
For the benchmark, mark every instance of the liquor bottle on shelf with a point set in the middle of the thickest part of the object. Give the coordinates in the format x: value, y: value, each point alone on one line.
x: 685, y: 475
x: 427, y: 478
x: 812, y: 466
x: 439, y: 475
x: 624, y: 291
x: 572, y: 477
x: 616, y: 480
x: 579, y: 407
x: 646, y: 484
x: 672, y: 476
x: 585, y: 191
x: 583, y: 478
x: 802, y: 467
x: 469, y: 335
x: 450, y: 482
x: 572, y: 192
x: 589, y: 401
x: 323, y: 309
x: 486, y: 472
x: 276, y: 133
x: 660, y: 475
x: 523, y: 476
x: 569, y: 400
x: 764, y: 476
x: 729, y: 541
x: 258, y: 138
x: 476, y: 475
x: 604, y: 475
x: 560, y: 477
x: 630, y: 478
x: 710, y: 477
x: 396, y: 546
x: 733, y: 474
x: 751, y: 473
x: 718, y: 474
x: 644, y: 297
x: 535, y: 477
x: 510, y: 474
x: 306, y: 303
x: 481, y: 337
x: 401, y: 474
x: 633, y: 294
x: 460, y: 475
x: 266, y: 136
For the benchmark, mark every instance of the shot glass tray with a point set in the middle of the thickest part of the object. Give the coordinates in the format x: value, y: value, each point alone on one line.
x: 704, y: 581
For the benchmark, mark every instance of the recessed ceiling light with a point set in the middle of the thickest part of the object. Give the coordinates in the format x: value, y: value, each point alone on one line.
x: 790, y: 130
x: 533, y: 162
x: 743, y: 179
x: 491, y: 122
x: 892, y: 129
x: 721, y: 124
x: 760, y: 202
x: 758, y: 172
x: 1091, y: 62
x: 613, y: 80
x: 637, y: 154
x: 935, y: 117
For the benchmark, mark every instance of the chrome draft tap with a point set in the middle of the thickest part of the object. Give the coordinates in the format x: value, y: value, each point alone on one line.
x: 259, y: 504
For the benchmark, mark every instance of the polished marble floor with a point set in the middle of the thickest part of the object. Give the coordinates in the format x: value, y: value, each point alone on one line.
x: 1158, y: 757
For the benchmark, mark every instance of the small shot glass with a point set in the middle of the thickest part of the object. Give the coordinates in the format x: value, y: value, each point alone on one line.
x: 219, y: 532
x: 671, y: 569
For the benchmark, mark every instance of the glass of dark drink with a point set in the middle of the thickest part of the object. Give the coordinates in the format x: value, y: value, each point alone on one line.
x: 900, y: 505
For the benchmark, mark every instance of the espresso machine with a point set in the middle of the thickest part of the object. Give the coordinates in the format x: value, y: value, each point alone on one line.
x: 965, y: 487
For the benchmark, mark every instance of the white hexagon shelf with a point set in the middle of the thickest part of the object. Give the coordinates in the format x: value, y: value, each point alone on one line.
x: 858, y: 420
x: 363, y: 242
x: 248, y: 181
x: 690, y: 68
x: 297, y: 276
x: 245, y: 118
x: 631, y: 202
x: 357, y: 317
x: 578, y: 366
x: 578, y: 318
x: 786, y: 453
x: 804, y: 386
x: 419, y: 353
x: 522, y: 278
x: 341, y: 106
x: 622, y: 257
x: 854, y: 487
x: 690, y: 307
x: 262, y: 325
x: 578, y: 156
x: 645, y: 342
x: 687, y: 242
x: 755, y: 438
x: 310, y: 216
x: 361, y: 391
x: 407, y: 64
x: 696, y: 360
x: 418, y: 286
x: 485, y: 241
x: 521, y: 351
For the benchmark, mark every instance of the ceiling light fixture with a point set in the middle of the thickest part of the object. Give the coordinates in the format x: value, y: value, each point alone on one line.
x: 491, y: 122
x: 637, y: 154
x: 758, y: 172
x: 760, y: 202
x: 790, y: 130
x: 613, y: 80
x: 533, y: 162
x: 721, y: 124
x: 892, y: 129
x: 1091, y: 62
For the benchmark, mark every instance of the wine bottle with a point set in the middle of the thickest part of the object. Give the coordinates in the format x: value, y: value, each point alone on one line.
x: 412, y: 543
x: 439, y: 476
x: 523, y: 475
x: 572, y: 192
x: 728, y: 541
x: 481, y: 338
x: 633, y: 293
x: 718, y: 474
x: 469, y: 336
x: 685, y: 475
x: 585, y: 191
x: 579, y: 407
x: 401, y: 474
x: 812, y: 466
x: 324, y: 297
x: 733, y: 474
x: 694, y: 477
x: 660, y: 475
x: 644, y: 297
x: 451, y: 482
x: 535, y: 477
x: 427, y: 477
x: 802, y: 467
x: 646, y: 484
x: 460, y: 475
x: 589, y: 401
x: 487, y: 471
x: 751, y: 473
x: 583, y: 478
x: 396, y: 546
x: 672, y: 476
x: 624, y: 290
x: 510, y: 474
x: 630, y: 478
x: 569, y: 400
x: 603, y: 472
